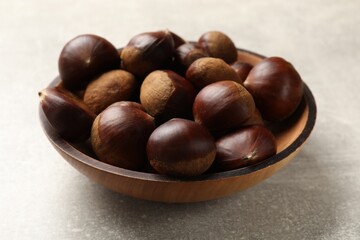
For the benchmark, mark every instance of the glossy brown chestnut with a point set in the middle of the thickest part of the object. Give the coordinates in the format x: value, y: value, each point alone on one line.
x: 147, y: 52
x: 67, y: 114
x: 277, y: 88
x: 181, y: 147
x: 218, y: 45
x: 223, y: 106
x: 242, y: 69
x: 119, y: 136
x: 110, y: 87
x: 166, y: 95
x: 244, y: 147
x: 187, y: 53
x: 85, y: 57
x: 207, y: 70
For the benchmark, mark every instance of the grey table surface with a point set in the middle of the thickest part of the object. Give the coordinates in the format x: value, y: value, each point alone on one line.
x: 316, y: 196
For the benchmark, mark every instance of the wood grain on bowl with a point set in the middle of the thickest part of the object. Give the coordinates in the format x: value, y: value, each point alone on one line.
x: 290, y: 137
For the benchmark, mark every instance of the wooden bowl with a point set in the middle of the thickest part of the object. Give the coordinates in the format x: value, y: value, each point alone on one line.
x: 290, y: 136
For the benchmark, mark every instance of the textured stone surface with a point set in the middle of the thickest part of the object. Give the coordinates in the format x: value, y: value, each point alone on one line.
x: 314, y: 197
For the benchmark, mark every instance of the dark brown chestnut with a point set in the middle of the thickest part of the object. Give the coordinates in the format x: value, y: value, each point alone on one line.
x: 223, y: 106
x: 244, y: 147
x: 181, y: 147
x: 67, y: 114
x: 277, y: 88
x: 147, y: 52
x: 242, y: 69
x: 218, y: 45
x: 85, y: 57
x: 110, y: 87
x: 166, y: 95
x: 207, y: 70
x: 187, y: 53
x: 119, y: 136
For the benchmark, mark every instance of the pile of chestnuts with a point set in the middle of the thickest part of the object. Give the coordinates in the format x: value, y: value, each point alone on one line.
x: 165, y: 105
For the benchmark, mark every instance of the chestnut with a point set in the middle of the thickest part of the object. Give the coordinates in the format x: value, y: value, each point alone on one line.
x: 242, y: 69
x: 244, y: 147
x: 165, y: 95
x: 277, y: 88
x: 110, y: 87
x: 223, y: 106
x: 218, y: 45
x: 85, y: 57
x: 67, y: 114
x: 181, y: 148
x: 187, y: 53
x: 119, y: 136
x: 207, y: 70
x: 147, y: 52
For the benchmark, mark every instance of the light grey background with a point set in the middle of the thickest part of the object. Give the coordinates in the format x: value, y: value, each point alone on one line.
x: 315, y: 197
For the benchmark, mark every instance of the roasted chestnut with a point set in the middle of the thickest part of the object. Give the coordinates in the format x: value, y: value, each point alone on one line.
x: 147, y: 52
x: 119, y: 136
x: 110, y: 87
x: 222, y: 106
x: 207, y: 70
x: 244, y: 147
x: 181, y: 147
x: 277, y: 88
x: 166, y: 95
x: 67, y: 114
x: 218, y: 45
x: 85, y: 57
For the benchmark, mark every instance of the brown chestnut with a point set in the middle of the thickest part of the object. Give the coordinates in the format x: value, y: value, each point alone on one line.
x: 242, y: 69
x: 277, y: 88
x: 223, y: 106
x: 218, y: 45
x: 244, y: 147
x: 119, y: 136
x: 181, y: 147
x: 67, y: 114
x: 207, y: 70
x: 110, y: 87
x: 187, y: 53
x: 166, y: 95
x: 147, y: 52
x: 85, y: 57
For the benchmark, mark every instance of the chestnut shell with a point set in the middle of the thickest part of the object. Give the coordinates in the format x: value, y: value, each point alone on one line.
x: 276, y: 87
x: 83, y: 58
x: 147, y: 52
x: 223, y: 106
x: 119, y: 136
x: 244, y: 147
x: 165, y: 95
x: 181, y: 147
x: 67, y: 114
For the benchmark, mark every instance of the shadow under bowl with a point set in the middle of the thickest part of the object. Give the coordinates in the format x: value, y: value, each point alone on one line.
x: 290, y: 137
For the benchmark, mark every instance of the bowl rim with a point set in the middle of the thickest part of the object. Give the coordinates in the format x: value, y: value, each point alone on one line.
x: 71, y: 151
